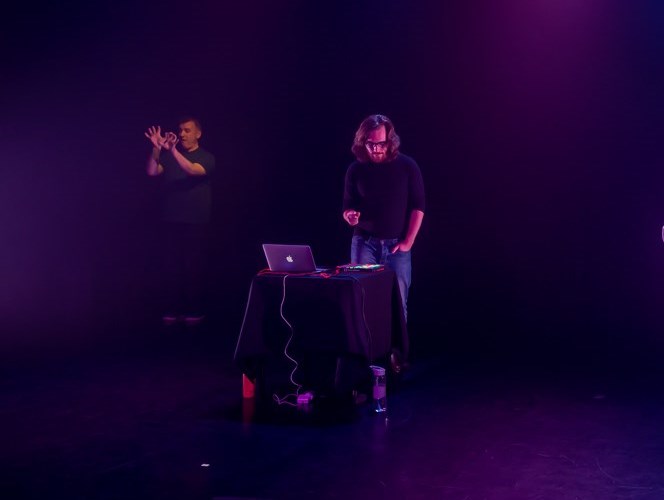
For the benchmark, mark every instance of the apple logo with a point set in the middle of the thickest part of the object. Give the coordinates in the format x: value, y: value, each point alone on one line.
x: 289, y: 258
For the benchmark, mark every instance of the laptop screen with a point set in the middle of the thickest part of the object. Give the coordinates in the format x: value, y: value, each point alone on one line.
x: 289, y: 258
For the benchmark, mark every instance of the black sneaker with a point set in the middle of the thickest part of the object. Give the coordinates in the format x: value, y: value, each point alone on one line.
x: 193, y: 319
x: 169, y: 319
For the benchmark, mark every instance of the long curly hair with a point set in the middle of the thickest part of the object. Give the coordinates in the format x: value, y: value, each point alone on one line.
x: 370, y: 123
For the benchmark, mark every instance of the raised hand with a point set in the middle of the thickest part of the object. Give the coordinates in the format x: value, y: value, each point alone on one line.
x: 154, y: 134
x: 170, y: 141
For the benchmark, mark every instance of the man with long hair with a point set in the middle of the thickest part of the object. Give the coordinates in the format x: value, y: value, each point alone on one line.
x: 383, y: 200
x: 186, y: 211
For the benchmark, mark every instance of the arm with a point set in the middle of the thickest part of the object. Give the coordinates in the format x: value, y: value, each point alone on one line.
x: 416, y: 200
x: 153, y: 166
x: 414, y: 224
x: 350, y: 215
x: 189, y: 168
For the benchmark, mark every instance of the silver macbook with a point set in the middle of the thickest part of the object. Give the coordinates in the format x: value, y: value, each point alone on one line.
x: 289, y: 258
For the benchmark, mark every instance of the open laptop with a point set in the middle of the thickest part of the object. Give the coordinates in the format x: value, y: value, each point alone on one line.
x: 289, y: 258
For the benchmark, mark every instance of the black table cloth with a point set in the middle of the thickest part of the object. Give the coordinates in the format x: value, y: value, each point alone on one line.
x: 354, y: 313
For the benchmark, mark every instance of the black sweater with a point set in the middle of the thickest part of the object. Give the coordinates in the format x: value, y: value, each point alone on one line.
x: 385, y: 194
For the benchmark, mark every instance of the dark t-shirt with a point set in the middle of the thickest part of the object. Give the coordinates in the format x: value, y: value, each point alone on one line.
x: 385, y: 194
x: 187, y: 198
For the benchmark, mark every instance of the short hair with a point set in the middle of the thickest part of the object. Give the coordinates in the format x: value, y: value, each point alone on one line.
x: 370, y: 123
x: 193, y: 119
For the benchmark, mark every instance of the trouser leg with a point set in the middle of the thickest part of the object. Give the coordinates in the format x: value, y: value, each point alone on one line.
x: 195, y: 269
x: 171, y: 269
x: 400, y: 263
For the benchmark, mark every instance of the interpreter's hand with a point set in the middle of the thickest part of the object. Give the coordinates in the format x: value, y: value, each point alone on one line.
x: 402, y: 246
x: 352, y: 217
x: 154, y: 134
x: 171, y: 141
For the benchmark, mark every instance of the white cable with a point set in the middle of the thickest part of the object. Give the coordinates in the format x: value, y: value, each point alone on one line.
x: 283, y: 400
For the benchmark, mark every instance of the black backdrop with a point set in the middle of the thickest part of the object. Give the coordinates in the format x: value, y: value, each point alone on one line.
x: 536, y: 125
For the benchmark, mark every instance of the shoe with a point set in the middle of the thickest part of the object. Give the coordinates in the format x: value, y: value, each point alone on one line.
x: 194, y: 320
x: 397, y: 363
x: 169, y: 319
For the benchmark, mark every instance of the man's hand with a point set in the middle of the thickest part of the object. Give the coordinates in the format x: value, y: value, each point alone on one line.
x: 154, y: 134
x: 170, y: 141
x: 352, y: 217
x: 414, y: 223
x: 402, y: 246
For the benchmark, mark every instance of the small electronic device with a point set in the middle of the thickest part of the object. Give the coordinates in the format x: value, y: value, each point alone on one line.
x: 362, y: 267
x: 306, y: 398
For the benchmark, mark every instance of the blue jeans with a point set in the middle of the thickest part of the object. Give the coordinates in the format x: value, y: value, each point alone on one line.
x: 370, y: 250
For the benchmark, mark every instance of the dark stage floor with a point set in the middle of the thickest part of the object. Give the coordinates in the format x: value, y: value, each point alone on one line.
x: 164, y: 418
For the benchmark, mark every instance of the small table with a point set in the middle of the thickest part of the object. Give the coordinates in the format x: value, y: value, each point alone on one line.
x: 355, y: 314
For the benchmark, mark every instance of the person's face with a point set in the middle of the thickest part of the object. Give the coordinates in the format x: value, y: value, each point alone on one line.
x: 189, y: 135
x: 376, y: 144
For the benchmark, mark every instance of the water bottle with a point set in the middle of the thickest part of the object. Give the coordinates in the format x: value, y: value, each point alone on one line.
x: 247, y: 387
x: 379, y: 389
